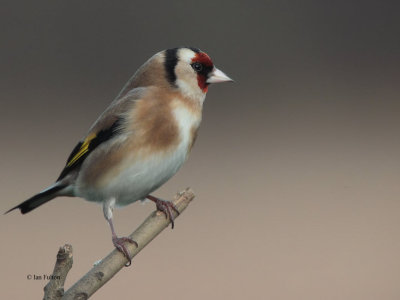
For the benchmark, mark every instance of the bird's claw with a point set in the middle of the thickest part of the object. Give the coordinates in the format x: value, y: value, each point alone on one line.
x: 167, y: 207
x: 119, y: 243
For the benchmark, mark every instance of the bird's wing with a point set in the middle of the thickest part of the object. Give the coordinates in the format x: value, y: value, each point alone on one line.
x: 108, y: 126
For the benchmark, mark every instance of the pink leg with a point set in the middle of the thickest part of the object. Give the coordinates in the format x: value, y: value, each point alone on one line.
x: 119, y: 243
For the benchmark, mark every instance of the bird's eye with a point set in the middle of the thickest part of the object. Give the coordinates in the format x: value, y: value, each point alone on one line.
x: 198, y: 67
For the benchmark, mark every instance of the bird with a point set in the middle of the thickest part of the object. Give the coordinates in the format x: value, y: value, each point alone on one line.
x: 141, y: 140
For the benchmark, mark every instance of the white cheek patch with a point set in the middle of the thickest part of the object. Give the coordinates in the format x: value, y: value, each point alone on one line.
x: 186, y: 77
x: 191, y: 89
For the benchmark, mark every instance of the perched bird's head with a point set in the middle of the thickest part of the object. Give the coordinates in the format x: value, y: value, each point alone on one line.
x: 191, y: 69
x: 186, y: 69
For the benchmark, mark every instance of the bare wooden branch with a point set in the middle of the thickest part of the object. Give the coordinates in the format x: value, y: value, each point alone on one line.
x: 54, y: 289
x: 115, y: 261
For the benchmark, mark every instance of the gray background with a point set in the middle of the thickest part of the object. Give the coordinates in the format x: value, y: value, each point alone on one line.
x: 296, y: 168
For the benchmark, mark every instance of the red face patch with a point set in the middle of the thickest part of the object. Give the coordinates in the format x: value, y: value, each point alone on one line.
x: 208, y: 65
x: 203, y: 58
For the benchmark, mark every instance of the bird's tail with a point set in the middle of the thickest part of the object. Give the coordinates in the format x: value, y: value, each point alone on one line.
x: 41, y: 198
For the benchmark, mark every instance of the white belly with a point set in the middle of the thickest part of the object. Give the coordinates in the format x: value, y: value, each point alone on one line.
x: 145, y: 176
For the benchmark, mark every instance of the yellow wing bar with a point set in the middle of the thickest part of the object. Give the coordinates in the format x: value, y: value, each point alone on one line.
x: 82, y: 150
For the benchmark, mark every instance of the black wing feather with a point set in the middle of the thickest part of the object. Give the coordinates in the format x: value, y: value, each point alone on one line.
x: 101, y: 137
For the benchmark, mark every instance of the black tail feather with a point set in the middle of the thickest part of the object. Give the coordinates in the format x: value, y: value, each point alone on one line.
x: 38, y: 199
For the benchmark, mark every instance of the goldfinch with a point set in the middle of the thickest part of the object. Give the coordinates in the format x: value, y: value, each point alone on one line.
x: 141, y: 140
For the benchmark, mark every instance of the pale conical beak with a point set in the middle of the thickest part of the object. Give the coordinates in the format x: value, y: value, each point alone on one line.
x: 217, y: 76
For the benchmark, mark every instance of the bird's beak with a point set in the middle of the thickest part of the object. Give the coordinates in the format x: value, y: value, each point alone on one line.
x: 217, y: 76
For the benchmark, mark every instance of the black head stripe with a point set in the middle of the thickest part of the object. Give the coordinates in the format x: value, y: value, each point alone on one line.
x: 197, y: 50
x: 171, y: 60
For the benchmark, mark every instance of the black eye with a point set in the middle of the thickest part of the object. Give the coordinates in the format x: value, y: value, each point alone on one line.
x: 198, y: 67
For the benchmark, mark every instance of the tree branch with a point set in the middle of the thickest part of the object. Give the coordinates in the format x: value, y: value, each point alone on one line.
x: 115, y: 261
x: 55, y: 288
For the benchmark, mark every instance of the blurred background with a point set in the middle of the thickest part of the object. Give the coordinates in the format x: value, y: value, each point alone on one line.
x: 296, y: 168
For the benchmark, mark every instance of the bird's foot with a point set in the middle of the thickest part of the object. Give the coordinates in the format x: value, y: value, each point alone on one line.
x: 167, y: 207
x: 119, y: 243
